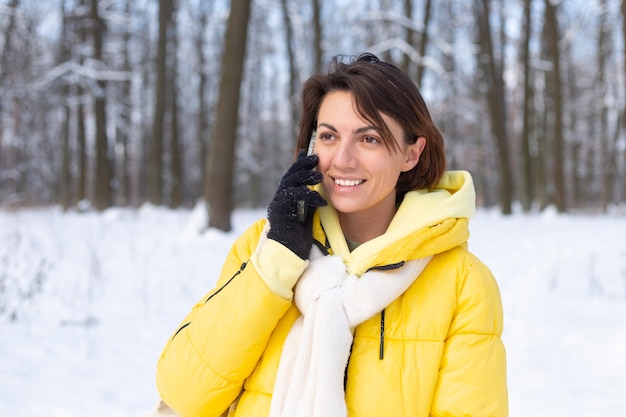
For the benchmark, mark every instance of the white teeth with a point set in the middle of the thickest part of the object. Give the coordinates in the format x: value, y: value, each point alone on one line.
x: 347, y: 183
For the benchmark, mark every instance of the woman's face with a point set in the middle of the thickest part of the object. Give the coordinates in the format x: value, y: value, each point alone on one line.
x: 360, y: 172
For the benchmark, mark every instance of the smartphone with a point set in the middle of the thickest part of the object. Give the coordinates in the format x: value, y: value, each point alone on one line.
x: 302, y: 206
x: 312, y: 143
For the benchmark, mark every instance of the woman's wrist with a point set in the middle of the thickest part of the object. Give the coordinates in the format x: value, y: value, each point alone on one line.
x: 278, y: 267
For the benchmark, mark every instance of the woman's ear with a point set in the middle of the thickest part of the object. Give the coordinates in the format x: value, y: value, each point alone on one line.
x: 413, y: 153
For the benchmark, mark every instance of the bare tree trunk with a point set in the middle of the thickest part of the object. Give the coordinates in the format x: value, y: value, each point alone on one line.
x: 450, y: 122
x: 122, y: 173
x: 4, y: 59
x: 82, y: 192
x: 407, y: 65
x: 613, y: 176
x: 155, y: 153
x: 250, y: 176
x: 525, y: 178
x: 590, y: 194
x: 65, y: 179
x: 143, y: 168
x: 293, y: 70
x: 624, y: 112
x: 552, y: 32
x: 541, y: 178
x: 423, y: 42
x: 102, y: 188
x: 317, y: 35
x: 176, y: 163
x: 493, y: 69
x: 203, y: 125
x: 222, y: 146
x: 409, y: 35
x: 81, y: 138
x: 576, y: 146
x: 601, y: 91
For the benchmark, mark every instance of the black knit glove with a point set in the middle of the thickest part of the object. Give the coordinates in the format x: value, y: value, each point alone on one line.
x: 282, y: 212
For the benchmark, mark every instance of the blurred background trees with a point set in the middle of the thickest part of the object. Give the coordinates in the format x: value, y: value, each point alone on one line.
x: 121, y: 103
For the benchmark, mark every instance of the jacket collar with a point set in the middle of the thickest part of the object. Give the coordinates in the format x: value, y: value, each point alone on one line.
x: 426, y: 223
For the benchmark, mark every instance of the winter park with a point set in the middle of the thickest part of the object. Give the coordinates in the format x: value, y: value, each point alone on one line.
x: 95, y: 296
x: 140, y: 139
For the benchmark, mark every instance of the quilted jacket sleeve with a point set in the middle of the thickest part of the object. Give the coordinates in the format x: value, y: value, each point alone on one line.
x: 204, y: 364
x: 472, y: 375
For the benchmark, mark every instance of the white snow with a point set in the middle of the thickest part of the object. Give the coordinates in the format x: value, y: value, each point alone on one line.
x: 88, y: 300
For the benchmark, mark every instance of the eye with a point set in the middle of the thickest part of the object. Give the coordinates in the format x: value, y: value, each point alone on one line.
x: 326, y: 136
x: 371, y: 140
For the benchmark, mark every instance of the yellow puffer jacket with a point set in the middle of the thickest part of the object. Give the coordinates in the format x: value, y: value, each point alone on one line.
x: 440, y: 355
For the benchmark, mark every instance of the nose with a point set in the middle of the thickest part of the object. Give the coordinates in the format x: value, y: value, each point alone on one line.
x: 345, y: 156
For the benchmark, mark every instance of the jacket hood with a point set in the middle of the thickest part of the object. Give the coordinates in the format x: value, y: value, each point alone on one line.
x: 427, y: 222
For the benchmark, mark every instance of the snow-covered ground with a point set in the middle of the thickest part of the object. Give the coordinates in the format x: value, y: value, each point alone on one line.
x: 88, y: 300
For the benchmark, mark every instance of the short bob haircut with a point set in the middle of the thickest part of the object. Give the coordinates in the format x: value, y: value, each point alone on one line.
x: 379, y: 87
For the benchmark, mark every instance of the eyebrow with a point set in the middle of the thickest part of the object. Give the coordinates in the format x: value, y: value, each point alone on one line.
x: 359, y: 130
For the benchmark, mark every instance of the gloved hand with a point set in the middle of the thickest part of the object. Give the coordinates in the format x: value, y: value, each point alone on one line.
x: 282, y: 211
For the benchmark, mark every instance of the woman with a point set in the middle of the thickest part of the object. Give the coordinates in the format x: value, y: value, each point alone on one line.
x: 357, y: 296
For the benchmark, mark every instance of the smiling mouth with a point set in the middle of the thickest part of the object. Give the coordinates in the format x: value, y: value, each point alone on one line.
x: 348, y: 183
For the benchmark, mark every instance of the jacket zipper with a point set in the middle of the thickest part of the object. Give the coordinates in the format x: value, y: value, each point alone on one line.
x: 241, y: 268
x: 381, y: 348
x: 180, y: 328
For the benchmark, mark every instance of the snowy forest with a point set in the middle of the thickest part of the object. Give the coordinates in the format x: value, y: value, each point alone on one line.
x: 117, y: 103
x: 140, y: 138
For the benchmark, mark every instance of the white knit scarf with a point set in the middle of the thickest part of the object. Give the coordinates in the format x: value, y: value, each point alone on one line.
x: 309, y: 381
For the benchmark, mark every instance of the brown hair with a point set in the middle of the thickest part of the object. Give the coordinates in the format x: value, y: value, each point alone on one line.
x: 379, y: 87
